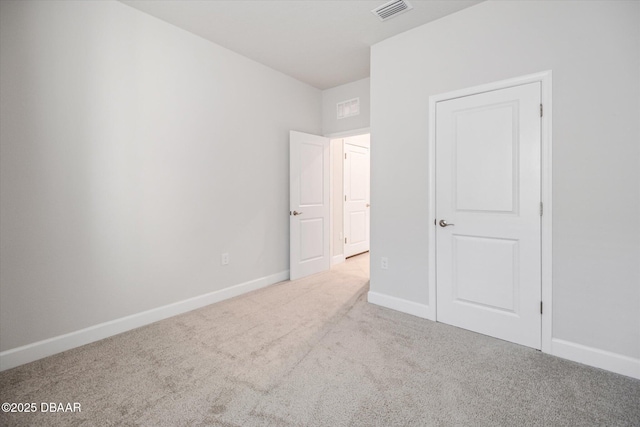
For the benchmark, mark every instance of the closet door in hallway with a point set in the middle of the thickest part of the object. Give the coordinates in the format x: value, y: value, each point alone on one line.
x: 356, y: 199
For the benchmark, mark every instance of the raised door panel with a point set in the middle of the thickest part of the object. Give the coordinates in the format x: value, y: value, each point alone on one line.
x: 311, y: 239
x: 486, y: 174
x: 485, y: 273
x: 311, y: 174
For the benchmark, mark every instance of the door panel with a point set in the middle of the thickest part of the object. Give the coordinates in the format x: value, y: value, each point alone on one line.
x: 488, y: 192
x: 311, y: 174
x: 490, y: 169
x: 311, y: 242
x: 309, y: 204
x: 356, y: 206
x: 489, y: 280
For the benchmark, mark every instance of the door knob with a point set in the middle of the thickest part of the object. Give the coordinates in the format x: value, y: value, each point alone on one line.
x: 443, y: 223
x: 368, y: 205
x: 297, y: 213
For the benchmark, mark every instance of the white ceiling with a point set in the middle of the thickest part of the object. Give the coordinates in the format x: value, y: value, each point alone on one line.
x: 324, y: 43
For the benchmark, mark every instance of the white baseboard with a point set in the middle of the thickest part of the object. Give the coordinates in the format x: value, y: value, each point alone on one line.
x: 400, y: 304
x: 591, y: 356
x: 337, y: 259
x: 31, y: 352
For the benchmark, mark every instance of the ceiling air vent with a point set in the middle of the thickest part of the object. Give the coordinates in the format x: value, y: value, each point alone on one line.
x: 391, y: 9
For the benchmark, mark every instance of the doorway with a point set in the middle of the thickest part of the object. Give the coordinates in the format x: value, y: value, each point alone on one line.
x: 328, y: 210
x: 350, y: 196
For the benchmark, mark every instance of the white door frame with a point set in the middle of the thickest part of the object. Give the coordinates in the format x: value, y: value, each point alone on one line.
x: 348, y: 133
x: 545, y: 171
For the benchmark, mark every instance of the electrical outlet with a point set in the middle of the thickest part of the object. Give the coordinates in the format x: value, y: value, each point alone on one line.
x: 224, y: 258
x: 384, y: 263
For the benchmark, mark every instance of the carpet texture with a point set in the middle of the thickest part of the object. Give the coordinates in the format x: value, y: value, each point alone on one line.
x: 313, y: 352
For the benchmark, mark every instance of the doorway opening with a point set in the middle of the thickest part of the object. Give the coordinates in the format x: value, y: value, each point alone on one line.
x: 350, y: 196
x: 328, y: 210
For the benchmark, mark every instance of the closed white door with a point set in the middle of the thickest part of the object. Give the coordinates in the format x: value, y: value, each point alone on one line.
x: 309, y: 204
x: 356, y: 200
x: 488, y: 213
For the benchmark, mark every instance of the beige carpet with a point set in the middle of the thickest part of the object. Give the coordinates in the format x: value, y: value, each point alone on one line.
x: 314, y: 353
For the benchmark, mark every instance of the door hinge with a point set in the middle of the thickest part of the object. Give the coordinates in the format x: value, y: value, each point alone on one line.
x: 541, y: 110
x: 345, y: 240
x: 541, y: 208
x: 540, y: 307
x: 345, y: 197
x: 345, y: 156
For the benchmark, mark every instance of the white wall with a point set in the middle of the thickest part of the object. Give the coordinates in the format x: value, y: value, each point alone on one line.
x: 593, y: 49
x: 132, y: 155
x: 331, y: 97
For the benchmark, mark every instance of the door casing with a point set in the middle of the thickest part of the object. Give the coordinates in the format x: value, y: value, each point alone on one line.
x: 546, y: 191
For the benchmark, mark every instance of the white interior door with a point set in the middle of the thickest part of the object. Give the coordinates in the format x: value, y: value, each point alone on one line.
x: 356, y: 201
x: 488, y: 259
x: 309, y: 204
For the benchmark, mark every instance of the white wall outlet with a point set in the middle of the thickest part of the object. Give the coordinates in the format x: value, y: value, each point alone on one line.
x: 224, y: 258
x: 384, y: 263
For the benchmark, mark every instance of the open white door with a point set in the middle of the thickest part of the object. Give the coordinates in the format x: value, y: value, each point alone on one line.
x: 308, y: 204
x: 356, y: 199
x: 488, y: 213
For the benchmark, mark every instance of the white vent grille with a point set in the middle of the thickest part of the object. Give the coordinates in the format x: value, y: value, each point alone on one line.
x: 348, y: 108
x: 391, y: 9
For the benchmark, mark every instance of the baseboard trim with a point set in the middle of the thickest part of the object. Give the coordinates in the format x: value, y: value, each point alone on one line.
x: 337, y: 259
x: 399, y: 304
x: 591, y: 356
x: 38, y: 350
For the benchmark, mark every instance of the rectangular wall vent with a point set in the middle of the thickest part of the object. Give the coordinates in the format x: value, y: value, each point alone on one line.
x: 348, y: 108
x: 391, y: 9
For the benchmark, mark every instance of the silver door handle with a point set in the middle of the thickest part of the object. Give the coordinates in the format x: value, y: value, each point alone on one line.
x: 297, y: 213
x: 443, y: 223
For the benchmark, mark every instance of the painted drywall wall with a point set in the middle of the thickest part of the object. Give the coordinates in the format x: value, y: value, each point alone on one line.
x: 133, y: 154
x: 330, y: 97
x: 593, y: 49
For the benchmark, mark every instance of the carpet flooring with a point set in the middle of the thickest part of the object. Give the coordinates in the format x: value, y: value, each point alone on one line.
x: 313, y: 352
